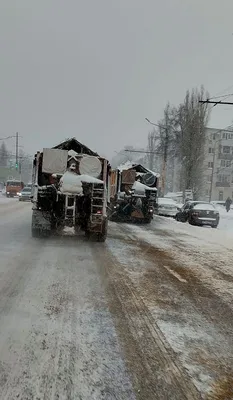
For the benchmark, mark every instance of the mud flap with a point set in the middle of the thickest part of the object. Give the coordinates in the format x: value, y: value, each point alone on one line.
x: 41, y: 225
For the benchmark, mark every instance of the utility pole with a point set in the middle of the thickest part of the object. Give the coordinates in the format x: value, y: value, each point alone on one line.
x: 164, y: 169
x: 17, y: 150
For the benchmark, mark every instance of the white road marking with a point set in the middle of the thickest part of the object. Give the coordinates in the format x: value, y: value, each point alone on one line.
x: 175, y: 274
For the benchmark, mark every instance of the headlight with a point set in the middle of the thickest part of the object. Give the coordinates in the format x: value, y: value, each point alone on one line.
x: 19, y: 194
x: 7, y: 192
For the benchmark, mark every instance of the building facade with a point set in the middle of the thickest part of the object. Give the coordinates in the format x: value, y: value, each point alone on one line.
x: 218, y: 165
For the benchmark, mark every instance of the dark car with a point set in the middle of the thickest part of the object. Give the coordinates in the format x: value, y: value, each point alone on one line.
x: 199, y: 213
x: 25, y: 194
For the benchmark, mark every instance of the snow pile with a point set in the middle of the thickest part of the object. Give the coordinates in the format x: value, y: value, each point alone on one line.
x: 140, y: 188
x: 167, y: 201
x: 72, y: 183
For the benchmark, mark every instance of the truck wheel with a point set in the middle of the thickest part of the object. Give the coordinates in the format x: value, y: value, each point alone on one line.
x: 101, y: 237
x: 87, y: 234
x: 36, y: 232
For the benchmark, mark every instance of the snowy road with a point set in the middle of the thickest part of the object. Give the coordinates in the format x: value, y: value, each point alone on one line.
x: 147, y: 315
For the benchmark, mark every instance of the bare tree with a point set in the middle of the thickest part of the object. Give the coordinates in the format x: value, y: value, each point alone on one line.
x: 3, y: 155
x: 168, y: 146
x: 192, y: 120
x: 152, y: 148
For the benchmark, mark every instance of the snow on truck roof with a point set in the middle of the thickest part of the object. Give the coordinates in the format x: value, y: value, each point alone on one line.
x: 140, y: 187
x: 75, y: 145
x: 138, y: 167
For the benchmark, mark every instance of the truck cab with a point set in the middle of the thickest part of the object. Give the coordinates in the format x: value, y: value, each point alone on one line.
x: 13, y: 187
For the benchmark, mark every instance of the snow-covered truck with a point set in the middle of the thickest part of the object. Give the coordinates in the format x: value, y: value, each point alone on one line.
x: 70, y: 188
x: 133, y: 193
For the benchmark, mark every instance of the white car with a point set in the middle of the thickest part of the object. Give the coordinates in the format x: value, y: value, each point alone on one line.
x: 167, y: 207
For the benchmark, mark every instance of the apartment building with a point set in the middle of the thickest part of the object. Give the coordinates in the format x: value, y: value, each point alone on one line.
x: 218, y: 165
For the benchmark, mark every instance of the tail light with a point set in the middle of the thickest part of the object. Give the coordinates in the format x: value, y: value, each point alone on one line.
x: 99, y: 212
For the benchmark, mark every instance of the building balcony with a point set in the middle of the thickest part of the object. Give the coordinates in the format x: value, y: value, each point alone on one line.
x: 222, y: 184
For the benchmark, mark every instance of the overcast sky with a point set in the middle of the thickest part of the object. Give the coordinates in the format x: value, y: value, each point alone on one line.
x: 95, y: 69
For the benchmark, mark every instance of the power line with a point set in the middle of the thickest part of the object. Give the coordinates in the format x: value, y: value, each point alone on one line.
x: 225, y: 90
x: 223, y: 96
x: 216, y: 102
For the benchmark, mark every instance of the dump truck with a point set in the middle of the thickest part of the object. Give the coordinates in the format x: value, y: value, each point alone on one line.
x: 70, y: 189
x: 13, y: 187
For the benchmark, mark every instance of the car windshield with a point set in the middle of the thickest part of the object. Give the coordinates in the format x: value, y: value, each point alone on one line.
x: 204, y: 207
x: 13, y: 183
x: 26, y: 190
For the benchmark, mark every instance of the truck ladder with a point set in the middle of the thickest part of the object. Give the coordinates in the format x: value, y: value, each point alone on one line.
x: 70, y: 208
x: 97, y: 202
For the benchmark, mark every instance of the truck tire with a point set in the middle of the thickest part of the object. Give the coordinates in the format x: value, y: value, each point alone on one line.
x: 36, y: 233
x: 147, y: 220
x: 101, y: 237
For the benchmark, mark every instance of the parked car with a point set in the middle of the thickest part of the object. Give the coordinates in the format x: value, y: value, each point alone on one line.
x: 25, y: 194
x: 199, y: 213
x: 167, y: 207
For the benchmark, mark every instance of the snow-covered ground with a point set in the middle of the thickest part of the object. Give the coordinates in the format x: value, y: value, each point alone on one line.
x: 186, y: 281
x: 6, y: 200
x: 146, y: 315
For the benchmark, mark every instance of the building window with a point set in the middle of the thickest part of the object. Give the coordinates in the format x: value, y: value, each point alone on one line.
x: 209, y: 178
x: 223, y: 178
x: 210, y: 164
x: 223, y: 163
x: 226, y: 149
x: 207, y: 192
x: 211, y: 150
x: 224, y: 135
x: 220, y: 196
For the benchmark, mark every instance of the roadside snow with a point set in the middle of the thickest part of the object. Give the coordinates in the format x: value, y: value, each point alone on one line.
x: 205, y: 251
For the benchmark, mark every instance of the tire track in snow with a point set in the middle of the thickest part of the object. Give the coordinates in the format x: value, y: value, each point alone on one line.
x: 68, y: 346
x: 154, y: 368
x: 176, y: 301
